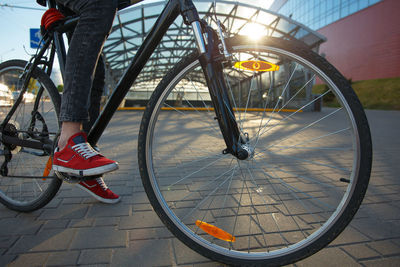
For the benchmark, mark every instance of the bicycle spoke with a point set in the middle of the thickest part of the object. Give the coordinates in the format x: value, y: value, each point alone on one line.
x: 202, y: 100
x: 295, y: 183
x: 293, y: 188
x: 300, y: 177
x: 199, y: 170
x: 201, y: 115
x: 205, y: 199
x: 248, y: 100
x: 264, y: 232
x: 292, y: 114
x: 308, y: 141
x: 30, y: 119
x: 207, y: 184
x: 286, y: 208
x: 265, y: 107
x: 271, y: 185
x: 238, y: 206
x: 293, y: 97
x: 309, y: 161
x: 304, y: 128
x: 191, y: 162
x: 193, y: 120
x: 228, y: 187
x: 232, y: 96
x: 280, y: 97
x: 312, y: 148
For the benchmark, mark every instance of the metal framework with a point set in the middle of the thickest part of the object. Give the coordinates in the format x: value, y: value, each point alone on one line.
x: 132, y: 24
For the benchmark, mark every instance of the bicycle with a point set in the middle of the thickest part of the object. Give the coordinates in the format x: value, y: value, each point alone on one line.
x: 275, y: 188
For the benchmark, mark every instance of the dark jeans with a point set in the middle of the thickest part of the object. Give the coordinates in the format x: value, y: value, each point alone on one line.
x: 84, y: 72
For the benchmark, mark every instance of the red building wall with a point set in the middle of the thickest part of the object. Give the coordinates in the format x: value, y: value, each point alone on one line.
x: 366, y: 44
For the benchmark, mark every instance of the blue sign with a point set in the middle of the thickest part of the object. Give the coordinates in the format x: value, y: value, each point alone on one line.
x: 35, y: 38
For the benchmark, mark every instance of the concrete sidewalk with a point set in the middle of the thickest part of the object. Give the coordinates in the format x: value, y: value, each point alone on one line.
x: 74, y: 229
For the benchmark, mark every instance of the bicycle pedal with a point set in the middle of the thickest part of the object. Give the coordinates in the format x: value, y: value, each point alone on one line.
x: 74, y: 179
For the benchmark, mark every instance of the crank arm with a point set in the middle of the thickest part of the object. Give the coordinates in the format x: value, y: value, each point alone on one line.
x: 40, y: 154
x: 47, y: 147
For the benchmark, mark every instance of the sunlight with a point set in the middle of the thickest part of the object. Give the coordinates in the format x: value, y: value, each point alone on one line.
x: 254, y: 31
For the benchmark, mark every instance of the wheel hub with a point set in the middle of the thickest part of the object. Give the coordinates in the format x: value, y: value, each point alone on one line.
x: 245, y: 151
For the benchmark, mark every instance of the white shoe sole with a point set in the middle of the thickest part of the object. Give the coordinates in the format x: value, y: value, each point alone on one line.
x: 88, y: 172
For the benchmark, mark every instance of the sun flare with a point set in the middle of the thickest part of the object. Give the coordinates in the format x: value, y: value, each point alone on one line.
x: 254, y: 31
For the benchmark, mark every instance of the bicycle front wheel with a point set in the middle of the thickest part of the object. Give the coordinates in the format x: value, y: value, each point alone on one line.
x: 308, y: 171
x: 22, y: 184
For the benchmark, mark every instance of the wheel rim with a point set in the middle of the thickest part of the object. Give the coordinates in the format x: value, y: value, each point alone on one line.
x: 23, y: 192
x: 308, y: 231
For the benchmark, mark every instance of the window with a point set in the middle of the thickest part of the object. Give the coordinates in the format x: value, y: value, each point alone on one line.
x: 353, y: 7
x: 319, y: 13
x: 336, y: 14
x: 344, y: 10
x: 372, y: 2
x: 362, y: 4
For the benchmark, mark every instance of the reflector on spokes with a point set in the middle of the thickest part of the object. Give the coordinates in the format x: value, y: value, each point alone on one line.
x: 215, y: 231
x: 256, y: 65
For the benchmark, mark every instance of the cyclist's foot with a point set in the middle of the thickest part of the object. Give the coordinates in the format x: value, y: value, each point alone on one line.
x: 99, y: 190
x: 79, y: 158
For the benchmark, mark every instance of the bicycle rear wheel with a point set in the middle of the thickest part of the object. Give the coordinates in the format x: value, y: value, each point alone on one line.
x: 22, y: 185
x: 305, y: 180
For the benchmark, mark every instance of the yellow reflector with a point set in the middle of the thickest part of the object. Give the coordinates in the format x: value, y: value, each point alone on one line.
x: 215, y: 231
x: 47, y: 169
x: 256, y: 65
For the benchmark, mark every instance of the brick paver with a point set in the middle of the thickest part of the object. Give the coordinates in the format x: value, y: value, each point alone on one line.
x: 75, y: 229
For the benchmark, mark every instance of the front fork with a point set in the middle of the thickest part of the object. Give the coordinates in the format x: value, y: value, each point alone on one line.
x: 211, y: 61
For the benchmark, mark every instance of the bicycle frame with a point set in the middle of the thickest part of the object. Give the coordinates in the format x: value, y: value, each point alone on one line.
x: 166, y: 18
x: 210, y: 59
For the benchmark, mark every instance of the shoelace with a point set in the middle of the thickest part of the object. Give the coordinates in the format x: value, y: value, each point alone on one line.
x: 85, y: 150
x: 100, y: 181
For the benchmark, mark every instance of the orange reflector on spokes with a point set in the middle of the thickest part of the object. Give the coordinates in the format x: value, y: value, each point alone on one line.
x: 256, y: 65
x: 215, y: 231
x: 47, y: 169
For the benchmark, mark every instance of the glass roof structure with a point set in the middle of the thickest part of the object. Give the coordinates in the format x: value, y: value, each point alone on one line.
x: 132, y: 24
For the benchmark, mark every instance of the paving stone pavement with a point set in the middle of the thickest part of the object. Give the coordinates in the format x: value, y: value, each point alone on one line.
x: 74, y: 229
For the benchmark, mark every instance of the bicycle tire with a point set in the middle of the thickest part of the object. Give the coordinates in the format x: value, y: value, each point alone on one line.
x: 29, y: 194
x: 295, y: 214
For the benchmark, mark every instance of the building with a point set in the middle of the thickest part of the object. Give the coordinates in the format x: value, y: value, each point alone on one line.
x: 132, y: 25
x: 363, y: 36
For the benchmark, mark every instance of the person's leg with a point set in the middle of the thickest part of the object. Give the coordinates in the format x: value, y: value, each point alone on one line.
x: 68, y: 129
x: 95, y: 22
x: 97, y: 187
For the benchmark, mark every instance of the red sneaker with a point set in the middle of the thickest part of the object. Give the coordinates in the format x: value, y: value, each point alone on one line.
x: 99, y: 190
x: 79, y: 158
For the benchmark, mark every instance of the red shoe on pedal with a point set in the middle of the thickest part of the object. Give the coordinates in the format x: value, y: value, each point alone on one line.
x: 79, y: 158
x: 98, y: 189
